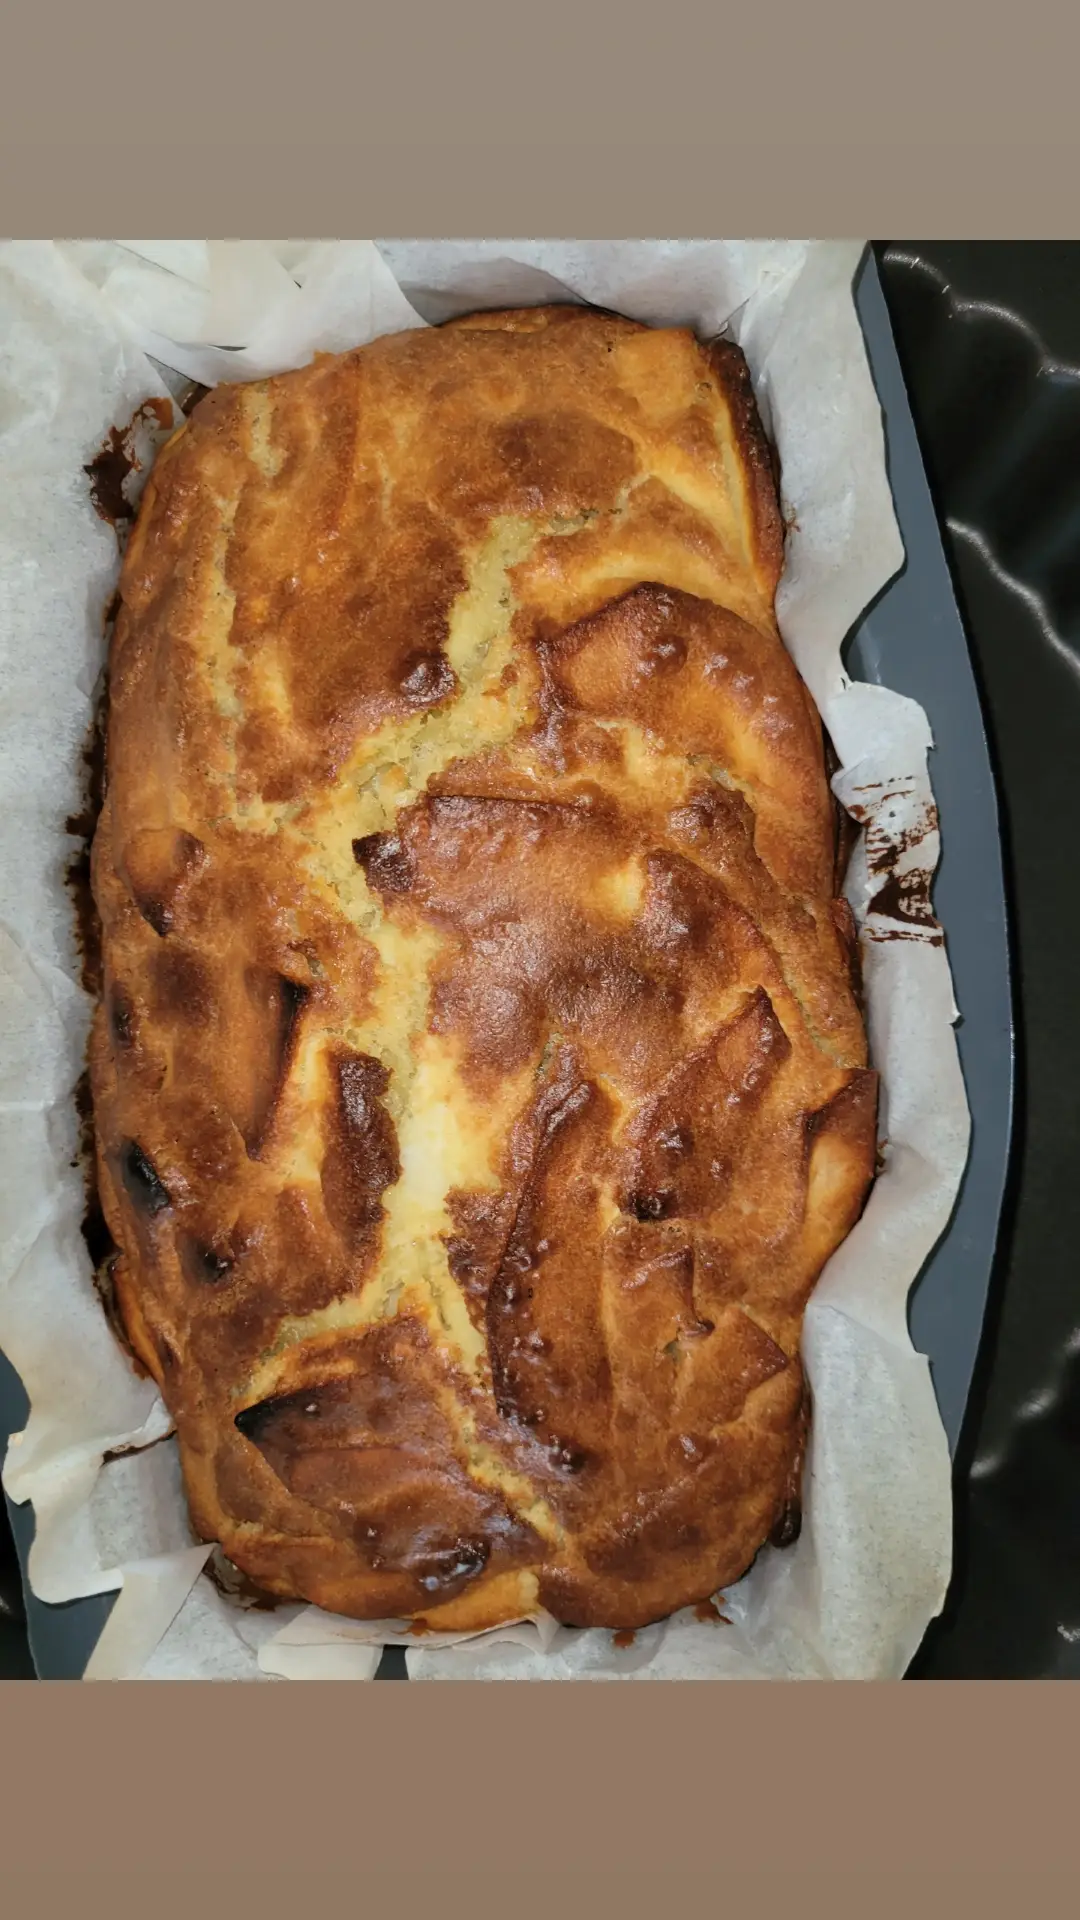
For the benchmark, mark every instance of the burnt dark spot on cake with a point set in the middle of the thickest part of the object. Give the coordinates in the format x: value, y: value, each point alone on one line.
x: 427, y: 678
x: 252, y: 1421
x: 788, y: 1526
x: 157, y: 867
x: 387, y: 864
x: 566, y: 1458
x: 361, y: 1158
x: 157, y: 913
x: 293, y: 996
x: 141, y: 1180
x: 482, y: 1221
x: 462, y: 1560
x: 651, y: 1206
x: 206, y: 1264
x: 121, y: 1017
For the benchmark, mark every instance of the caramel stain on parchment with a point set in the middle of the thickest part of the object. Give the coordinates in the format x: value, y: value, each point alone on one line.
x: 708, y: 1610
x: 116, y: 460
x: 81, y: 827
x: 902, y: 898
x: 100, y: 1245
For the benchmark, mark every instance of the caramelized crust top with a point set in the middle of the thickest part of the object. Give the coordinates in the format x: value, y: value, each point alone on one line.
x: 478, y: 1079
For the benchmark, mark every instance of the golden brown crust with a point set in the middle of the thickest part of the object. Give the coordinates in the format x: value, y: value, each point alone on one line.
x: 478, y: 1080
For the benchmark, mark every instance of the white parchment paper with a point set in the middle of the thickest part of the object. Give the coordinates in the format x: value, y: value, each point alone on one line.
x: 88, y: 332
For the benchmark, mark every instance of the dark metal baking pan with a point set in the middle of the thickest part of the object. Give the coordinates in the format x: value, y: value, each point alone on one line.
x: 990, y: 342
x: 912, y: 640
